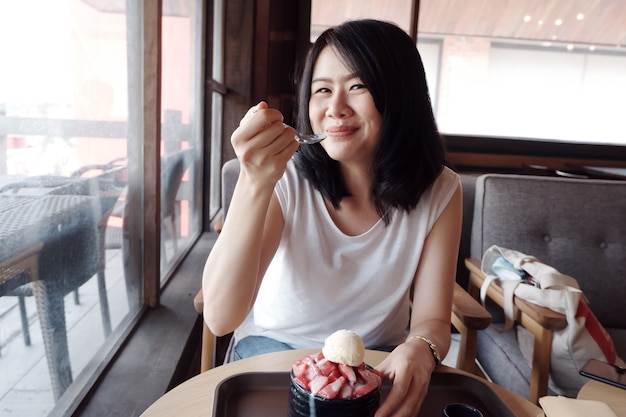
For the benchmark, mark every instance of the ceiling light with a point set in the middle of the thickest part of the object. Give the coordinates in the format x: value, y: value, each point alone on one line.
x: 558, y: 22
x: 527, y: 18
x: 580, y: 16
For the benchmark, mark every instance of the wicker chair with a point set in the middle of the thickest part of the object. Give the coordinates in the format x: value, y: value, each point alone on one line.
x: 173, y: 167
x: 106, y: 187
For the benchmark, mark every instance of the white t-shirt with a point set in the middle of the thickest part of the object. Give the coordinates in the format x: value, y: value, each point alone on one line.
x: 322, y: 280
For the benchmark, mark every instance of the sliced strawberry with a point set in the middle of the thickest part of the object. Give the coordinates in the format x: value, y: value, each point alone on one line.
x: 326, y: 367
x: 331, y: 390
x: 346, y: 391
x: 348, y: 372
x: 300, y: 368
x: 318, y: 383
x: 302, y: 381
x: 361, y: 390
x: 310, y: 359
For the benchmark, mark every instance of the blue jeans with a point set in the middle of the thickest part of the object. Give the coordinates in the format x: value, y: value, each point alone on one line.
x: 257, y: 345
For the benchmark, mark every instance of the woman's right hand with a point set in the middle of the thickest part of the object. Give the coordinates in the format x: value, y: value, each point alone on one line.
x: 263, y: 144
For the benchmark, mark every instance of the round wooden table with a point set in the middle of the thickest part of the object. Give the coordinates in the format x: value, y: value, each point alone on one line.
x: 195, y: 396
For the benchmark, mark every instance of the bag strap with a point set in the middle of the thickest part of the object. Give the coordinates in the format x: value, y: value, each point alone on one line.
x: 508, y: 288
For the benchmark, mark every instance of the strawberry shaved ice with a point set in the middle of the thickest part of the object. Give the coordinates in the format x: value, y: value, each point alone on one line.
x: 338, y: 371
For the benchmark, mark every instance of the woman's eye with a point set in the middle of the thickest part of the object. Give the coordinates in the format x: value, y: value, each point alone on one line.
x: 322, y: 90
x: 358, y: 87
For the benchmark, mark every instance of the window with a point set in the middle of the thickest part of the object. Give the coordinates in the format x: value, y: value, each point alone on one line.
x: 182, y: 128
x: 218, y: 91
x: 551, y: 70
x: 516, y: 69
x: 76, y: 210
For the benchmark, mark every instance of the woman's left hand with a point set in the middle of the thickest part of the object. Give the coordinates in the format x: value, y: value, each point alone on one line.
x: 409, y: 366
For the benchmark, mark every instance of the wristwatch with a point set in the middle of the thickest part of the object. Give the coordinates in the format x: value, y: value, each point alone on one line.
x: 431, y: 345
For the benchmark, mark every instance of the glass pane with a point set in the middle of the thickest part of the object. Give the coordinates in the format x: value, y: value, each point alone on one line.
x: 216, y: 109
x: 181, y: 132
x: 535, y: 69
x: 65, y: 296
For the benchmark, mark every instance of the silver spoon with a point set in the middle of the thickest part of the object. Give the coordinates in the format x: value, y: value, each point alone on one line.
x: 308, y: 139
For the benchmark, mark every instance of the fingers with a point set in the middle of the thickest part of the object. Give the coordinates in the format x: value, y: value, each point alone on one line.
x: 404, y: 398
x: 252, y: 110
x: 396, y: 396
x: 276, y: 140
x: 410, y: 385
x: 271, y: 140
x: 259, y: 117
x: 263, y: 144
x: 259, y: 127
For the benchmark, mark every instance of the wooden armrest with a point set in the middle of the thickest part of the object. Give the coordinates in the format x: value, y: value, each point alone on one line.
x: 207, y: 351
x: 468, y: 316
x: 468, y: 310
x: 198, y: 302
x: 544, y: 317
x: 540, y: 321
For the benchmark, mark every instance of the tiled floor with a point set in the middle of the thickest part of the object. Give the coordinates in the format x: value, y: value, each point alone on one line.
x: 25, y: 389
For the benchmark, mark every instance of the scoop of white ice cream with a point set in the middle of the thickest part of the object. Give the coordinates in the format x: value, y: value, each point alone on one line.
x: 344, y: 346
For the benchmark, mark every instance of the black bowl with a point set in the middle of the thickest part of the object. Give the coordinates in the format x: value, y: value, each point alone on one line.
x: 302, y: 403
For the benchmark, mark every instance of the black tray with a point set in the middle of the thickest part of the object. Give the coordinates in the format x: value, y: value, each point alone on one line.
x: 264, y: 394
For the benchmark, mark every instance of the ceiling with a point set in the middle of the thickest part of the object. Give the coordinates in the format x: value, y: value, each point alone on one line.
x: 593, y: 22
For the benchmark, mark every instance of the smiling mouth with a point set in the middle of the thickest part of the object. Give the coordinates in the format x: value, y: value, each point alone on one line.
x: 341, y: 131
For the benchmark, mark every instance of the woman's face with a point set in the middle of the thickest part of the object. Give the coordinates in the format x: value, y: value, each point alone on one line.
x: 343, y: 108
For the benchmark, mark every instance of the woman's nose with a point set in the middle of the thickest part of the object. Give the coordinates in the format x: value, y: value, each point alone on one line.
x: 338, y: 106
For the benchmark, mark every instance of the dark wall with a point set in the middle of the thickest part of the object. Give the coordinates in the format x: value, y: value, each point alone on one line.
x: 264, y: 40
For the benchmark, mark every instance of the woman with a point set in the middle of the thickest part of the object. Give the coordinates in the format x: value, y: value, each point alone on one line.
x: 344, y: 233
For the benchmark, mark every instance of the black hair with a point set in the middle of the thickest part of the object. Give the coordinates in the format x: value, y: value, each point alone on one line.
x: 410, y: 153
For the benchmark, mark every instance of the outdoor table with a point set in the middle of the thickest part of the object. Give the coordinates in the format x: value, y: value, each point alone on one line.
x: 54, y: 222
